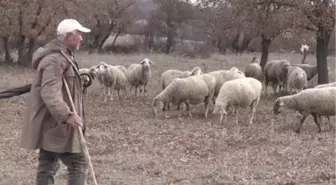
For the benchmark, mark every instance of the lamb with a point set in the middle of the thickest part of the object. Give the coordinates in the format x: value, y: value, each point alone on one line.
x: 169, y: 75
x: 297, y: 79
x: 241, y: 92
x: 139, y: 75
x: 222, y: 76
x: 311, y: 70
x: 316, y: 102
x: 113, y: 78
x: 191, y: 90
x: 253, y: 69
x: 275, y: 72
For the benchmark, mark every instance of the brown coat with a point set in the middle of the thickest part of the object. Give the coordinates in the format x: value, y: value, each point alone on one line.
x: 48, y: 104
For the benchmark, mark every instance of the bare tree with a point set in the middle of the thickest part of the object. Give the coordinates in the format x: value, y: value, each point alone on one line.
x: 106, y: 18
x: 267, y: 19
x: 173, y: 13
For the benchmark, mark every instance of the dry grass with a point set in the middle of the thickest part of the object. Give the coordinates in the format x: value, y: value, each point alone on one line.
x: 129, y: 146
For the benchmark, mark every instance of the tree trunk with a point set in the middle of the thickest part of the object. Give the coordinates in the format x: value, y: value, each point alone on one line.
x: 265, y: 44
x: 105, y: 36
x: 170, y: 39
x: 322, y: 40
x: 5, y: 41
x: 32, y: 44
x: 21, y: 47
x: 115, y: 37
x: 245, y: 44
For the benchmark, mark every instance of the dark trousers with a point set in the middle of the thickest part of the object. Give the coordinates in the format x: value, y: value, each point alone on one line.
x: 49, y: 164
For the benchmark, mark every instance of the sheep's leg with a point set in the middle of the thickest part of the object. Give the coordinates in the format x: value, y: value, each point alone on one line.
x: 253, y: 106
x: 236, y: 112
x: 112, y: 93
x: 303, y: 119
x: 188, y: 108
x: 206, y: 110
x: 317, y: 121
x: 145, y: 89
x: 221, y: 118
x: 107, y: 93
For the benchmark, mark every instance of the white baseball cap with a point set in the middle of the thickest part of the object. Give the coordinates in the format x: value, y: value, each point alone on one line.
x: 69, y: 25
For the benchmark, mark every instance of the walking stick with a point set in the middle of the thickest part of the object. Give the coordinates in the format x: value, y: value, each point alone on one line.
x: 83, y: 142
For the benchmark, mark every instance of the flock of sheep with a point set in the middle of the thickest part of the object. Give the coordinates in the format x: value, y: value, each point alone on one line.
x: 226, y: 88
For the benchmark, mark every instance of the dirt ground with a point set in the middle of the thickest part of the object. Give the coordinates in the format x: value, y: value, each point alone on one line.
x: 128, y: 146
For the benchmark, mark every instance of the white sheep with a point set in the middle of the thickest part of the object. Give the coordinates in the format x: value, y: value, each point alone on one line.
x: 311, y: 70
x: 275, y: 72
x: 169, y: 75
x: 316, y: 102
x: 191, y: 90
x: 139, y: 75
x: 113, y: 79
x: 241, y: 92
x: 331, y: 84
x: 222, y: 76
x: 253, y: 69
x: 297, y: 79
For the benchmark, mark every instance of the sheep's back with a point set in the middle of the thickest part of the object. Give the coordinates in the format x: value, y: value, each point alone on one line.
x: 320, y: 101
x: 192, y: 88
x: 253, y: 70
x: 169, y: 75
x: 224, y: 75
x: 241, y: 91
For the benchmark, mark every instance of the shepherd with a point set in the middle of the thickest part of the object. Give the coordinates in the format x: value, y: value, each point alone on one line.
x: 49, y: 123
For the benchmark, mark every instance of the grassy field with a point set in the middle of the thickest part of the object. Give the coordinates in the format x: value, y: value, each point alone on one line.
x: 130, y: 147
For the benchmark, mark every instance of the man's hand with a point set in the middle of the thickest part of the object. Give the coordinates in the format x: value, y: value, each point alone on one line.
x: 74, y: 121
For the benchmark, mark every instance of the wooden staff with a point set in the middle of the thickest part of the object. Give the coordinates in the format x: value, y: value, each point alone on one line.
x: 83, y: 142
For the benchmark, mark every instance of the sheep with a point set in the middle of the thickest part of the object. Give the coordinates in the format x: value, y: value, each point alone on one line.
x: 253, y: 69
x: 241, y: 92
x: 316, y: 102
x: 275, y: 72
x: 297, y: 79
x: 190, y: 90
x: 112, y: 78
x: 139, y: 75
x: 169, y: 75
x: 222, y: 76
x: 311, y: 70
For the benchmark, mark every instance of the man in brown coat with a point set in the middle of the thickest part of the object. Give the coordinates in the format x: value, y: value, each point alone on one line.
x: 49, y: 123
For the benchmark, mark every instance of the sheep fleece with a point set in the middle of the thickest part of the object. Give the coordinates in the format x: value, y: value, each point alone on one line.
x: 240, y: 92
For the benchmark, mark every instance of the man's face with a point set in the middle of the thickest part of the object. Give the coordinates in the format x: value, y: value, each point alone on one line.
x: 74, y: 40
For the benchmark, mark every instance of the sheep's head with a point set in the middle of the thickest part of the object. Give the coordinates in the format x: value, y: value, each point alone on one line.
x: 103, y: 68
x: 196, y: 71
x: 146, y: 63
x: 220, y: 108
x: 94, y: 70
x: 278, y: 104
x: 156, y: 105
x: 285, y: 68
